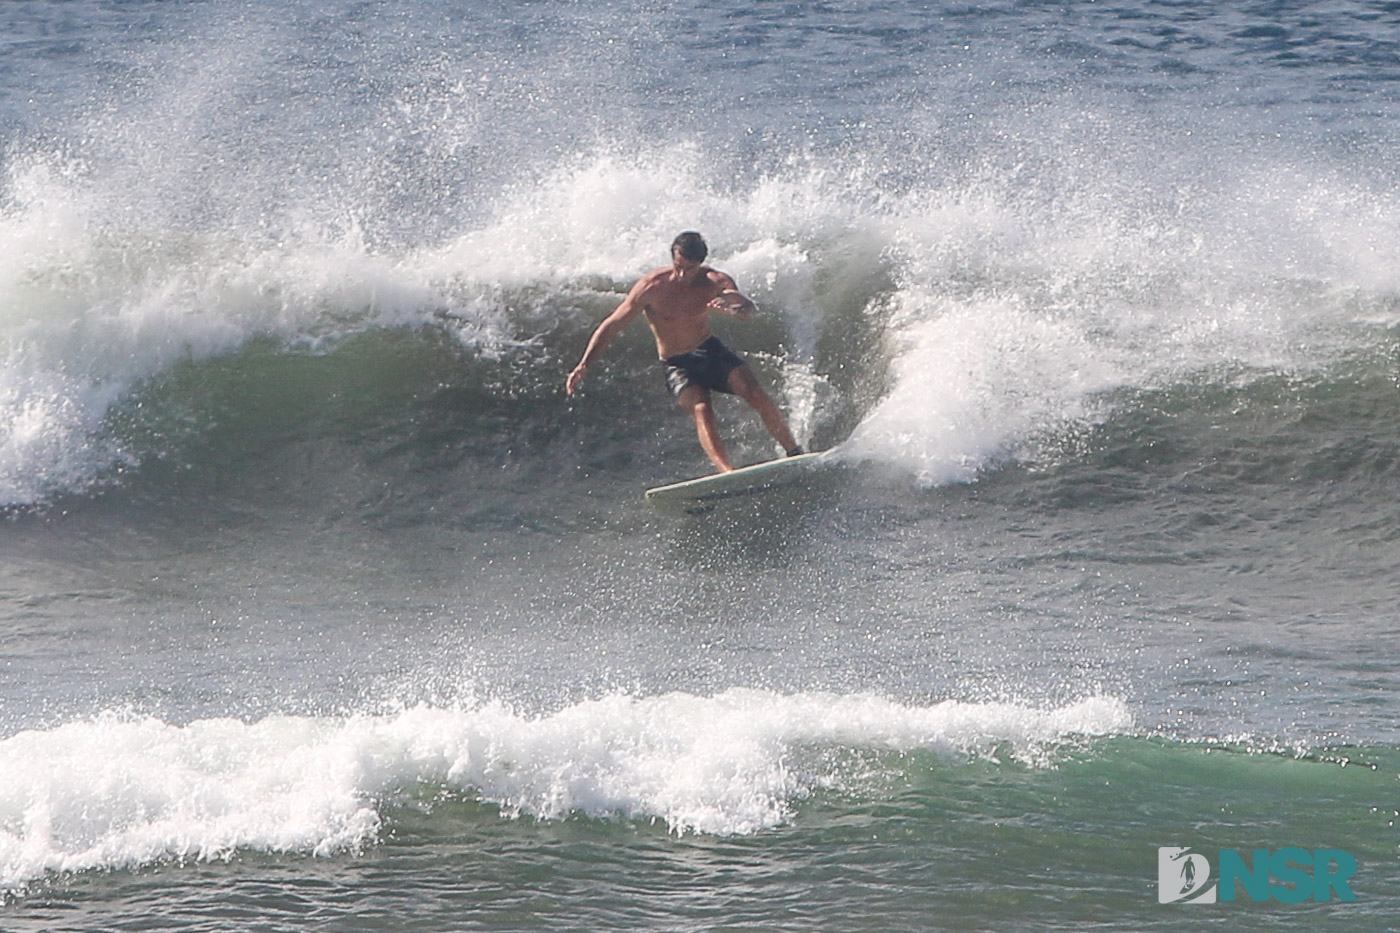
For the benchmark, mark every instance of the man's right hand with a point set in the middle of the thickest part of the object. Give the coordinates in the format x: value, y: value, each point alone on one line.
x: 575, y: 378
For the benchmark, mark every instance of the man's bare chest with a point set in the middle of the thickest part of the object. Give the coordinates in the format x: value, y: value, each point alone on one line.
x: 680, y: 302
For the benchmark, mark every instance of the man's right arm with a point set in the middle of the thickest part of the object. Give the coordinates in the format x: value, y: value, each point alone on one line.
x: 602, y: 338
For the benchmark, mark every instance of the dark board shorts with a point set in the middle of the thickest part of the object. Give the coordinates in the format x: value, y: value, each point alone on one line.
x: 707, y: 366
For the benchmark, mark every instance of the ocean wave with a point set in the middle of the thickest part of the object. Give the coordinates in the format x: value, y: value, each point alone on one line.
x: 944, y: 325
x: 93, y: 311
x: 124, y: 791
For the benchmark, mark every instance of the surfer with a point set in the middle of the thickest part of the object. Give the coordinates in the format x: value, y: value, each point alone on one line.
x: 677, y: 301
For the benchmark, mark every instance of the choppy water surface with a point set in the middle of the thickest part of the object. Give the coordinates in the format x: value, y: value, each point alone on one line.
x: 320, y: 603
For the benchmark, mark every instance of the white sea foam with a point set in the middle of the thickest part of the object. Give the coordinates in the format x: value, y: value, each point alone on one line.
x: 1021, y: 303
x: 91, y: 309
x: 614, y: 215
x: 121, y: 791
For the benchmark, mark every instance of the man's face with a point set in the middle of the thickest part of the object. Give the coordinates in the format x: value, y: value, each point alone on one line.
x: 681, y: 263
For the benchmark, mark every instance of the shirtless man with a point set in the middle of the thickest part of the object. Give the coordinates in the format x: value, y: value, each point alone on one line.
x: 677, y: 301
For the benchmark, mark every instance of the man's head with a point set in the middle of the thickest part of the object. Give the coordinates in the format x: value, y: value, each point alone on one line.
x: 690, y: 245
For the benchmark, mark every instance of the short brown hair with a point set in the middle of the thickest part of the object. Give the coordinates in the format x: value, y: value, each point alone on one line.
x: 691, y: 245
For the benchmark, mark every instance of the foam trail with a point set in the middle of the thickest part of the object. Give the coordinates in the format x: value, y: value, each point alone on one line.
x: 118, y: 791
x: 969, y: 385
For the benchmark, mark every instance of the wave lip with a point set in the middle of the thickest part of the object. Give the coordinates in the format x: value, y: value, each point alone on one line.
x: 120, y: 792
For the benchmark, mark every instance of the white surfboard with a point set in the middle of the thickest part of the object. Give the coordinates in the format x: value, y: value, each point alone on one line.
x: 699, y: 495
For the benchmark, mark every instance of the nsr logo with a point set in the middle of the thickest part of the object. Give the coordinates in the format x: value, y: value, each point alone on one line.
x: 1184, y: 876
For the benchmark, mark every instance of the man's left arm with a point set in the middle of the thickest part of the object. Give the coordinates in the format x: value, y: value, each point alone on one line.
x: 730, y: 300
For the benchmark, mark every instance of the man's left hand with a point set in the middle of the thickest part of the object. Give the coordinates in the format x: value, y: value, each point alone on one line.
x: 731, y: 302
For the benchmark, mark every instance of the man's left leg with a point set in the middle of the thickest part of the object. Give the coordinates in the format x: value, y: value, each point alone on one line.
x: 744, y: 384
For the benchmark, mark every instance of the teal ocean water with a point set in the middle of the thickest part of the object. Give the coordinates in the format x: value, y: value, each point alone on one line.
x: 323, y: 607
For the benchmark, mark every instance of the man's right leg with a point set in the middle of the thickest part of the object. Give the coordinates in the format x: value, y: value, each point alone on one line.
x: 696, y: 400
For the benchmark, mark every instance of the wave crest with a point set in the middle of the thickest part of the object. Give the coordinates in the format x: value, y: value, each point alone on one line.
x: 118, y: 791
